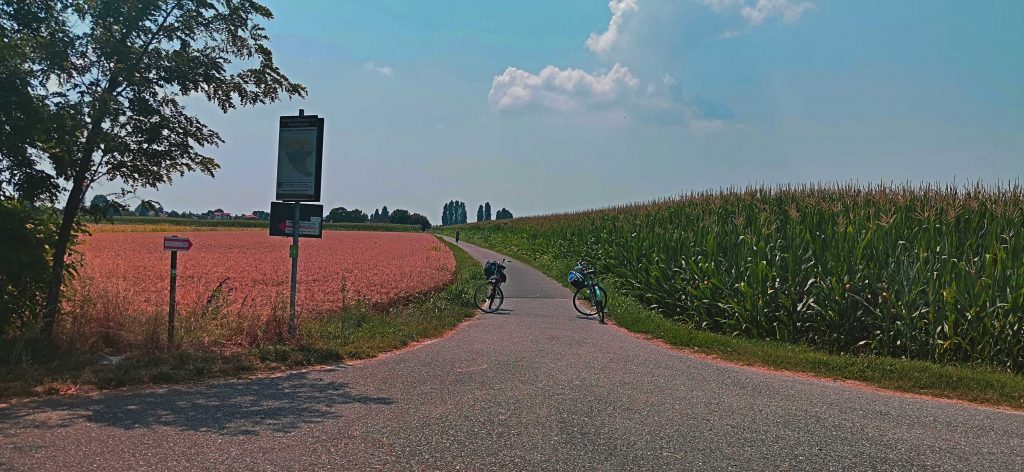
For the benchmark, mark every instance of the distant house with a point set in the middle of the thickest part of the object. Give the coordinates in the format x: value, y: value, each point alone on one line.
x: 249, y: 217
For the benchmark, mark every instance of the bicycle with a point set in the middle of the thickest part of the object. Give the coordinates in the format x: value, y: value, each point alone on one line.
x: 488, y: 296
x: 590, y: 298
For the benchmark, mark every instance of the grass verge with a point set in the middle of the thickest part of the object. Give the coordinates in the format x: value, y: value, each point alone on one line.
x: 29, y: 367
x: 978, y: 384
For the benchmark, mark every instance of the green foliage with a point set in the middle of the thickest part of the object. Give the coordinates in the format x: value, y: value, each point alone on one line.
x: 25, y: 251
x: 420, y: 220
x: 400, y: 217
x: 920, y: 273
x: 343, y: 215
x: 454, y: 213
x: 92, y: 91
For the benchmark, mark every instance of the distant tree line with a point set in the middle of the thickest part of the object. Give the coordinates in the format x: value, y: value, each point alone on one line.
x: 483, y: 213
x: 383, y: 215
x: 102, y: 207
x: 454, y: 213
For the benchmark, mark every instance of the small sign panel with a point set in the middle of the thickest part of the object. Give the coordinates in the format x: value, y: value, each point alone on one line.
x: 175, y: 243
x: 300, y: 149
x: 310, y: 219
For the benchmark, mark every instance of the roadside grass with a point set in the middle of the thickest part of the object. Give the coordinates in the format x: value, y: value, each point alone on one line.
x: 141, y: 224
x: 29, y: 367
x: 972, y: 383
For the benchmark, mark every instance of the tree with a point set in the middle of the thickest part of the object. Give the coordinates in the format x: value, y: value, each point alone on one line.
x: 400, y: 217
x: 384, y: 215
x: 462, y: 213
x: 343, y: 215
x: 376, y: 216
x: 101, y: 207
x: 449, y: 216
x: 151, y: 208
x: 418, y: 219
x: 480, y: 213
x: 104, y: 82
x: 487, y: 211
x: 338, y: 215
x: 503, y: 214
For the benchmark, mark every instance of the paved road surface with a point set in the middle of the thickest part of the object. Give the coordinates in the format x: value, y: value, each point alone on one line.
x: 533, y: 387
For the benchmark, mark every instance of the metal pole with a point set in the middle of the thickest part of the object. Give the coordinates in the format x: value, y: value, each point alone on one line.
x: 170, y: 311
x: 295, y: 269
x: 292, y: 328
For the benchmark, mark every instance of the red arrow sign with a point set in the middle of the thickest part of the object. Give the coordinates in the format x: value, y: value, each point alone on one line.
x: 305, y: 227
x: 175, y: 243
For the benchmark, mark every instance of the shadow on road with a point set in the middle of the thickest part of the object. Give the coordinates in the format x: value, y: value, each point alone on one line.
x: 276, y: 405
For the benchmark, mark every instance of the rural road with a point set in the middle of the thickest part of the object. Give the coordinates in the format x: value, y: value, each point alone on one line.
x: 532, y: 387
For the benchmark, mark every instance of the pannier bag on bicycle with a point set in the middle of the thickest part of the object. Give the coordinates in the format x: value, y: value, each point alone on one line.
x: 576, y: 280
x: 490, y: 268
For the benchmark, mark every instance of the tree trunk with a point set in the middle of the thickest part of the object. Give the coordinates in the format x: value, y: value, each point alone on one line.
x: 60, y: 250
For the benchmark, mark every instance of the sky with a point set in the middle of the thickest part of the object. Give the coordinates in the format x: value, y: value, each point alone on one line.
x: 545, y: 106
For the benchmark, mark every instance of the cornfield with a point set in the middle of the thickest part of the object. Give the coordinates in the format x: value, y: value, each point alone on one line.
x: 923, y: 272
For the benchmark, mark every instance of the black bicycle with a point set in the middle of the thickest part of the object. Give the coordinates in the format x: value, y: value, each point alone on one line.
x: 590, y: 298
x: 488, y: 295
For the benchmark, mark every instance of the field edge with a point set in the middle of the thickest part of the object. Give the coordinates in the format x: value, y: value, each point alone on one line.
x: 28, y: 368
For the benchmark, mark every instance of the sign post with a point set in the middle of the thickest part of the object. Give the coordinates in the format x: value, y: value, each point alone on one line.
x: 292, y: 328
x: 174, y: 244
x: 300, y: 152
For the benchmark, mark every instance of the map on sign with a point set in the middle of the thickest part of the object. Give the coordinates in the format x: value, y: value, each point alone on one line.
x: 299, y: 151
x: 298, y: 146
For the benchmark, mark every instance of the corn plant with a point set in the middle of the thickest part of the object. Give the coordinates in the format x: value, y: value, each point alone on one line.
x: 923, y: 272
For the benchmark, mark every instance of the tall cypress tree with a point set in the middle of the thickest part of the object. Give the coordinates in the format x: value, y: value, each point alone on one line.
x: 444, y: 215
x: 487, y: 211
x: 480, y: 213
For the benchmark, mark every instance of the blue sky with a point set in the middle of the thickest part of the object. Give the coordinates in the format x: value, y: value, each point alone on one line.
x: 545, y: 106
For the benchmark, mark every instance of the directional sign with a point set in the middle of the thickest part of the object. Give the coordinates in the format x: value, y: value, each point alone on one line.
x: 306, y: 228
x: 310, y: 220
x: 175, y: 243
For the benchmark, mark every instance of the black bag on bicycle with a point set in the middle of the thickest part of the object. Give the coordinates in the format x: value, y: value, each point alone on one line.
x: 490, y: 268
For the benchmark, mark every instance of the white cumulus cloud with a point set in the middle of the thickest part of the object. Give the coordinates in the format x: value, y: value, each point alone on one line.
x: 560, y: 89
x: 601, y: 43
x: 382, y: 70
x: 757, y: 12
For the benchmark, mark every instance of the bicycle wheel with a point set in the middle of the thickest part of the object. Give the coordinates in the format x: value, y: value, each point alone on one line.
x: 583, y: 302
x: 488, y: 298
x: 601, y: 304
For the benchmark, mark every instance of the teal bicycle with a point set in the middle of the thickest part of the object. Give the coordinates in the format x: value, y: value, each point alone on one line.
x: 590, y: 298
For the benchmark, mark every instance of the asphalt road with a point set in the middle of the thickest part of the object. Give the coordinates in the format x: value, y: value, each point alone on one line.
x: 532, y: 387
